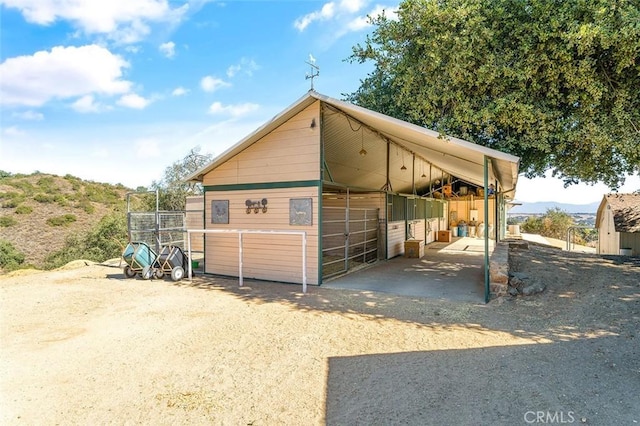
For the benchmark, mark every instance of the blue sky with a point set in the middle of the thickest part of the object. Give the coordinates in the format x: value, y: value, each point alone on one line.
x: 115, y: 91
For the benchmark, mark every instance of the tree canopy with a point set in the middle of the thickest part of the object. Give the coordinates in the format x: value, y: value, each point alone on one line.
x: 555, y: 82
x: 172, y: 189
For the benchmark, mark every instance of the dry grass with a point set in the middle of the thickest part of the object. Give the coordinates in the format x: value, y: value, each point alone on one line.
x: 32, y: 235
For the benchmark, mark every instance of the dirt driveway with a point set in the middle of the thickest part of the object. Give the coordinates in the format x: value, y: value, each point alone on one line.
x: 86, y: 346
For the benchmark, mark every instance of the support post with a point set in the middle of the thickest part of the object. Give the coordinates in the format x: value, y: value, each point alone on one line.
x: 487, y: 285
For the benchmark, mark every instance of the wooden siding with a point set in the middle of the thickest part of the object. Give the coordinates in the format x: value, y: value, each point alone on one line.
x: 608, y: 238
x: 462, y: 208
x: 610, y: 241
x: 395, y: 238
x: 289, y: 153
x: 266, y: 257
x: 195, y: 220
x: 630, y: 240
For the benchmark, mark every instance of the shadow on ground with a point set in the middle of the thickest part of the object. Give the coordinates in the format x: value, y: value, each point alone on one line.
x: 594, y: 381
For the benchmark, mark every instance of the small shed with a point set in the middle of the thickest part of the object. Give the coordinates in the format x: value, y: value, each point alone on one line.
x: 618, y: 223
x: 338, y: 186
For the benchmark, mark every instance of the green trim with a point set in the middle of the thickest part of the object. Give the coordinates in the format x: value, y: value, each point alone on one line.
x: 320, y: 221
x: 323, y: 168
x: 263, y: 185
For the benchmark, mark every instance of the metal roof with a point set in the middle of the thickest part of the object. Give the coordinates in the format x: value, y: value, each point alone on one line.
x: 348, y: 128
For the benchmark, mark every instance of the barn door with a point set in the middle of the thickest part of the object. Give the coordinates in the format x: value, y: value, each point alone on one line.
x: 349, y: 239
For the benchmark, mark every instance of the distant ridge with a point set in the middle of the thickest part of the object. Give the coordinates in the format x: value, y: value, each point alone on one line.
x: 542, y: 207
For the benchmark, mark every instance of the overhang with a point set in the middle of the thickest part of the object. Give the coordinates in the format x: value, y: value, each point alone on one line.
x: 347, y: 128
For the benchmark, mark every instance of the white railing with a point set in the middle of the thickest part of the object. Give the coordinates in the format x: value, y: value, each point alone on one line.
x: 240, y: 233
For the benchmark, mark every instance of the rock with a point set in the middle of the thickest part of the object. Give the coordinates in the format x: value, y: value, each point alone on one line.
x: 533, y: 289
x: 513, y: 291
x: 516, y: 282
x: 519, y: 275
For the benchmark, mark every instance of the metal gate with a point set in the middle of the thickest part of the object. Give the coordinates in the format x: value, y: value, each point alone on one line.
x: 349, y: 239
x: 158, y: 229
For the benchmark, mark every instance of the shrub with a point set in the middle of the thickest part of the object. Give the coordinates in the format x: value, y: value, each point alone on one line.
x: 24, y: 209
x: 101, y: 243
x: 44, y: 198
x: 63, y: 220
x: 86, y: 206
x: 10, y: 258
x: 6, y: 221
x: 553, y: 224
x: 48, y: 184
x: 10, y: 204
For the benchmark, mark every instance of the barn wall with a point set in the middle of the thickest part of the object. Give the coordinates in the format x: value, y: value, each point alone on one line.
x: 608, y: 238
x: 395, y: 238
x: 195, y: 220
x: 289, y: 153
x: 267, y: 257
x: 630, y: 240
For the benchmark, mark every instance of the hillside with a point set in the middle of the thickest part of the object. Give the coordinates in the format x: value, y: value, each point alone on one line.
x: 39, y: 211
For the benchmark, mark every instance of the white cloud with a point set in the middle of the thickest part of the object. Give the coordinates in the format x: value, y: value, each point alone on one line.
x: 132, y: 100
x: 86, y: 104
x: 246, y: 66
x: 179, y: 91
x: 235, y: 111
x: 13, y: 131
x: 28, y: 115
x: 126, y: 21
x: 345, y: 13
x: 63, y: 72
x: 168, y: 49
x: 327, y: 11
x: 211, y: 84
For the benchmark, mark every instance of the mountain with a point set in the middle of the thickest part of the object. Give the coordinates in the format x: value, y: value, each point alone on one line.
x: 543, y: 206
x: 39, y: 211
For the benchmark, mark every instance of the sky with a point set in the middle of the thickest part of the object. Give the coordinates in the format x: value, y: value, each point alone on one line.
x: 115, y: 91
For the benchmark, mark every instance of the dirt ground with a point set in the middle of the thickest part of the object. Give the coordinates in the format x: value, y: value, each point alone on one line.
x: 85, y: 346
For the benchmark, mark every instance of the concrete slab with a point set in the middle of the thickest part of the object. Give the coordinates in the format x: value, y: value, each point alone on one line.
x: 448, y: 271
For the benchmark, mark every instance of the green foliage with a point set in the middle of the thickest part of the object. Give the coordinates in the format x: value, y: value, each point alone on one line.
x: 7, y: 221
x: 48, y: 185
x: 44, y: 198
x: 10, y: 258
x: 173, y: 190
x: 24, y: 210
x: 553, y: 82
x: 553, y: 224
x: 12, y: 199
x: 4, y: 174
x: 64, y: 220
x: 101, y: 243
x: 20, y: 183
x: 86, y: 206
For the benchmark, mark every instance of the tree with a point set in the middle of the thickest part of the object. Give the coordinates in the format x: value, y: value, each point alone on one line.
x: 173, y: 189
x: 553, y: 82
x: 553, y: 224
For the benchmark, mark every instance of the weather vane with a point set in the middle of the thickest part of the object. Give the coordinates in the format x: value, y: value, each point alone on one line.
x: 315, y: 70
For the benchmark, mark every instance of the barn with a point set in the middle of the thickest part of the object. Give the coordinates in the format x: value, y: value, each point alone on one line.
x: 334, y: 186
x: 618, y: 224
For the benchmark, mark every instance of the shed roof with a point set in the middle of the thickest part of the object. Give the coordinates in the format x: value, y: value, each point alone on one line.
x: 457, y: 157
x: 626, y: 211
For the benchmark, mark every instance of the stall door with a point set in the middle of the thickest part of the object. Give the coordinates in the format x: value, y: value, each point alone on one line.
x: 349, y: 239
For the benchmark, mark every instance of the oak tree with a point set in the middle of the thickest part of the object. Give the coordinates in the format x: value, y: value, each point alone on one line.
x: 555, y: 82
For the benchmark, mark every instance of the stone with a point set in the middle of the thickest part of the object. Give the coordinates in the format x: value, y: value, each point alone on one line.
x: 533, y: 289
x: 519, y: 275
x: 513, y: 291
